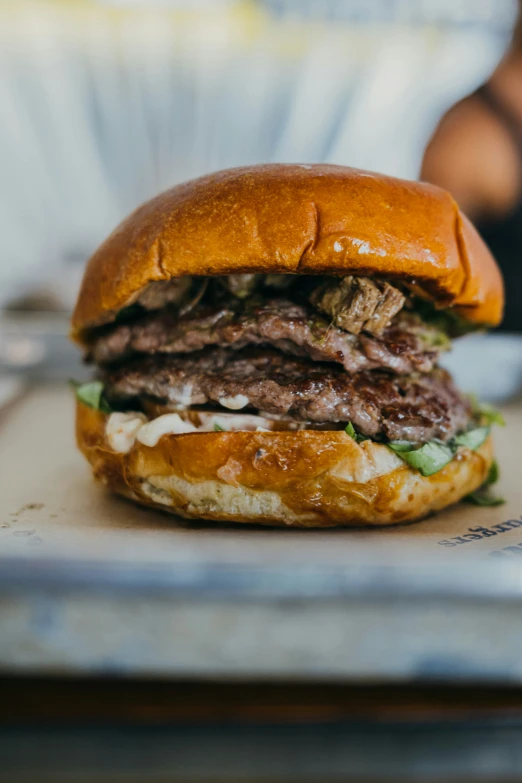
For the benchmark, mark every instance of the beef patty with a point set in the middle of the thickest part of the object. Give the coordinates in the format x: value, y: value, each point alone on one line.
x: 415, y: 408
x: 406, y: 346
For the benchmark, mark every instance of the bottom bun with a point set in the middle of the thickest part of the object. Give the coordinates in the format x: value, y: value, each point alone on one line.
x: 308, y: 478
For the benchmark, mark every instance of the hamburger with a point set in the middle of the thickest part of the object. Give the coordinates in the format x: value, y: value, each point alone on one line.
x: 266, y: 345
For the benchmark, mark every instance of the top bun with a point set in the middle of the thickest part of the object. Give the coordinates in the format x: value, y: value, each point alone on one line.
x: 296, y: 219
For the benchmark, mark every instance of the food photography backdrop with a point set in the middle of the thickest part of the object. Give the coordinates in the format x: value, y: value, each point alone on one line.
x: 104, y: 104
x: 135, y: 648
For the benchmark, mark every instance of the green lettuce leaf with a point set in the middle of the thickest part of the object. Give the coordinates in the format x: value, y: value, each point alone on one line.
x: 485, y: 413
x: 350, y: 430
x: 483, y: 496
x: 91, y: 394
x: 472, y: 439
x: 434, y: 455
x: 401, y: 445
x: 490, y: 415
x: 493, y: 474
x: 428, y: 459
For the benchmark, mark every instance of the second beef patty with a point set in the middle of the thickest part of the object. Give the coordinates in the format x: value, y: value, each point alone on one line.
x: 418, y: 407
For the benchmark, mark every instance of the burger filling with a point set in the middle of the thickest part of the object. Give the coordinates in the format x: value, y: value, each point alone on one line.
x: 403, y: 346
x: 380, y: 405
x: 276, y: 352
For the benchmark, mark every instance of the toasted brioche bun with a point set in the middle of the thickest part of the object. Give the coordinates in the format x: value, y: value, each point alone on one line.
x: 296, y: 219
x: 301, y: 479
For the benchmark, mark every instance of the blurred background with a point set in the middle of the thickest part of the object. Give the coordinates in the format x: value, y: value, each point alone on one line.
x: 103, y: 104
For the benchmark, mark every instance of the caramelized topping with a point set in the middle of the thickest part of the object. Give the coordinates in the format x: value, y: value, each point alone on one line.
x: 357, y: 304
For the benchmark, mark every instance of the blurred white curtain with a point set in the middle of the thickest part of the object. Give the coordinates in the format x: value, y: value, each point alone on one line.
x: 102, y: 106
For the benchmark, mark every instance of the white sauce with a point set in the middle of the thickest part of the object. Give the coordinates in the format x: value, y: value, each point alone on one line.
x: 122, y: 428
x: 338, y: 247
x: 185, y: 398
x: 169, y: 424
x: 234, y: 403
x: 232, y: 422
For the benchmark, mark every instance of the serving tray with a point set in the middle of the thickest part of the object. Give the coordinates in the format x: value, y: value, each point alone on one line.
x: 90, y: 583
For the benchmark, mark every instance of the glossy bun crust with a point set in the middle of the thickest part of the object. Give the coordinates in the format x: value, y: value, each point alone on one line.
x: 296, y: 219
x: 301, y: 479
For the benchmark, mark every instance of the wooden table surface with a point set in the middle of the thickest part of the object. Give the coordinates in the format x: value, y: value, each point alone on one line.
x: 57, y: 730
x: 25, y: 700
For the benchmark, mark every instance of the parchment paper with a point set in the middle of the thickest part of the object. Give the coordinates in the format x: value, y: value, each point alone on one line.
x: 50, y: 507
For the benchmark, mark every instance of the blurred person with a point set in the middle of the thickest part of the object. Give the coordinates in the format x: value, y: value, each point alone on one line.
x: 476, y: 154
